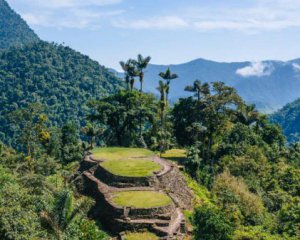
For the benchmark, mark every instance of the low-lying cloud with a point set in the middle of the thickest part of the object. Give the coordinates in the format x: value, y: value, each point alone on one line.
x: 256, y: 69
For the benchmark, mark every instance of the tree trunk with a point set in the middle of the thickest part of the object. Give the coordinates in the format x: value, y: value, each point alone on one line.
x: 141, y: 81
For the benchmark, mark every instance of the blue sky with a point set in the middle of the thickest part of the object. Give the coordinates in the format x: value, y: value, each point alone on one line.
x: 171, y: 31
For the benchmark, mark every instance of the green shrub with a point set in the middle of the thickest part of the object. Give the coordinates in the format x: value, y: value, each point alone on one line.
x: 210, y: 223
x: 236, y: 200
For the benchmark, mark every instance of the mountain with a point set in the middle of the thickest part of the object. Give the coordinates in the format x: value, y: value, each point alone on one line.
x: 54, y: 75
x: 289, y: 119
x: 14, y: 31
x: 268, y: 84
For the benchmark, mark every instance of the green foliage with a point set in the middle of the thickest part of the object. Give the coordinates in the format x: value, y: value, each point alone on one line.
x: 31, y: 126
x: 288, y: 119
x: 123, y: 115
x: 18, y: 216
x: 257, y: 233
x: 289, y: 217
x: 36, y: 203
x: 70, y: 146
x: 13, y: 29
x: 211, y: 224
x: 59, y: 217
x: 235, y: 199
x: 55, y: 76
x: 202, y: 195
x: 242, y: 158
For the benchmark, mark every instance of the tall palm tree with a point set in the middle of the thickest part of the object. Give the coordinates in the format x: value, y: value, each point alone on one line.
x: 61, y: 215
x: 125, y: 66
x: 141, y: 65
x: 168, y: 77
x: 195, y: 88
x: 199, y: 89
x: 130, y: 70
x: 162, y: 87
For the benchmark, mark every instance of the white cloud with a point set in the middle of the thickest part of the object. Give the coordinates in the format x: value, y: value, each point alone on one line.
x: 253, y: 17
x: 256, y: 69
x: 72, y: 3
x: 168, y: 22
x: 296, y: 67
x: 261, y: 15
x: 72, y: 18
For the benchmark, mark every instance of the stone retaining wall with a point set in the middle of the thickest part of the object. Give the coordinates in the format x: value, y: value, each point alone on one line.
x: 103, y: 200
x: 175, y: 185
x: 95, y: 181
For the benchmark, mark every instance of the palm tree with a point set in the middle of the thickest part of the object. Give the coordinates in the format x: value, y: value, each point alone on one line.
x: 196, y: 88
x: 142, y: 64
x: 125, y: 66
x: 61, y: 215
x: 163, y: 104
x: 247, y: 114
x: 129, y: 68
x: 168, y: 77
x: 199, y: 89
x: 91, y: 131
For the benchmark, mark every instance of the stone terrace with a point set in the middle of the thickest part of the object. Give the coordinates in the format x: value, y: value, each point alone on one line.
x: 165, y: 221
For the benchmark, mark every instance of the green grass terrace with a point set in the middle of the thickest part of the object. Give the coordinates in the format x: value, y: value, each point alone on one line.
x: 127, y: 162
x: 140, y: 236
x: 141, y: 199
x: 120, y: 153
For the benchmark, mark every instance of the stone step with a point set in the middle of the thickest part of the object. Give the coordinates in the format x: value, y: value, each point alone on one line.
x: 176, y: 222
x: 161, y: 231
x: 157, y: 222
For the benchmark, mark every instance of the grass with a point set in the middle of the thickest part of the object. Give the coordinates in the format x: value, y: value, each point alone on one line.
x: 141, y: 235
x: 119, y: 153
x: 177, y: 155
x: 131, y: 167
x: 201, y: 193
x: 141, y: 199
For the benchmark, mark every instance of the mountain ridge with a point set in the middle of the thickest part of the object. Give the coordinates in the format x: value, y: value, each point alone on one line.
x: 14, y: 31
x: 269, y: 84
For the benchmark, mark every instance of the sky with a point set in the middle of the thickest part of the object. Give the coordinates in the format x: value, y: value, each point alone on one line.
x: 170, y: 31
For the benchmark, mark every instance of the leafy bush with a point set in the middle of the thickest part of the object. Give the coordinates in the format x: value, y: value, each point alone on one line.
x: 236, y: 200
x: 211, y: 223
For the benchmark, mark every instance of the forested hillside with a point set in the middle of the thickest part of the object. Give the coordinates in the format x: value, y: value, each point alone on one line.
x: 14, y: 31
x: 58, y: 77
x: 289, y: 119
x: 244, y: 177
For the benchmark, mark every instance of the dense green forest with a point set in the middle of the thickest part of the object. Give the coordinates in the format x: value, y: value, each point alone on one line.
x: 14, y: 31
x: 246, y: 180
x: 289, y: 119
x: 56, y: 76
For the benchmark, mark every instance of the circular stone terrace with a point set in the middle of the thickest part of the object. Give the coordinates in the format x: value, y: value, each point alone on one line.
x: 128, y: 184
x: 139, y: 236
x: 129, y: 162
x: 141, y: 199
x: 132, y: 163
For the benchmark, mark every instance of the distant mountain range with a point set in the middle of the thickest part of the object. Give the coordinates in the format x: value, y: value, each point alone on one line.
x: 13, y: 29
x: 267, y: 84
